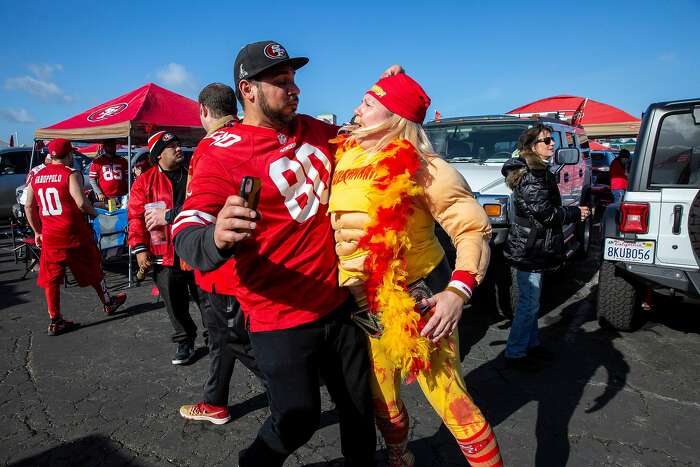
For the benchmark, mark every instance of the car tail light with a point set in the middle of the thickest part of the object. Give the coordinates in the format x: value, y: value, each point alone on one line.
x: 635, y: 218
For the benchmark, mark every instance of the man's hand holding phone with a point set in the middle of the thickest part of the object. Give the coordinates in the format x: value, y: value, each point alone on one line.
x: 234, y: 223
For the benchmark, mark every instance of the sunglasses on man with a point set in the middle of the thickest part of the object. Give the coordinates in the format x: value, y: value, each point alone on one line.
x: 548, y: 140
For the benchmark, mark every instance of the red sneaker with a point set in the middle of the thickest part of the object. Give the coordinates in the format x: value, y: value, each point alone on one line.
x: 218, y: 415
x: 61, y: 326
x: 117, y: 301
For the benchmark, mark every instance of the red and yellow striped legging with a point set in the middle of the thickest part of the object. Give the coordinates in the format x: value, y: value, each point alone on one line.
x: 448, y: 396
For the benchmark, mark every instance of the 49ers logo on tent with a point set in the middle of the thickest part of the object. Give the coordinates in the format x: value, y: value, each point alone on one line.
x: 275, y: 51
x: 107, y: 112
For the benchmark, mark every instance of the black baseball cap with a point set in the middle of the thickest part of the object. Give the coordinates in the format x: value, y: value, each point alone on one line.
x: 257, y: 57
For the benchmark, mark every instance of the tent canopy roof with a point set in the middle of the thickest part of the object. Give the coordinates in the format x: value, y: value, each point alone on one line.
x: 599, y: 119
x: 136, y: 113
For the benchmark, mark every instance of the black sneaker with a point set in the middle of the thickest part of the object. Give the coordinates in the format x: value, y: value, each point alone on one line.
x: 526, y: 363
x: 541, y: 352
x: 185, y: 353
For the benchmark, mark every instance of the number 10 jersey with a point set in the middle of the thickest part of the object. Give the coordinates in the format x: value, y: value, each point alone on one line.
x: 62, y: 223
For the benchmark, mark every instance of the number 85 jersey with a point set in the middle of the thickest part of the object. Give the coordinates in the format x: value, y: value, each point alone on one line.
x: 62, y: 223
x: 285, y: 275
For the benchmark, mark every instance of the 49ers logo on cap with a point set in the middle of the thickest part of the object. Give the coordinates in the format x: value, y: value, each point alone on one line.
x: 107, y: 112
x: 275, y: 51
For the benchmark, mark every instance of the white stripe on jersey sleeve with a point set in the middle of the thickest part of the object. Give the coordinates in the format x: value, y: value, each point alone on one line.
x: 192, y: 216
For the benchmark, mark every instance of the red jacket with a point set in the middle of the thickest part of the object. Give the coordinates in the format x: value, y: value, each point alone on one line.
x: 618, y: 177
x: 153, y: 185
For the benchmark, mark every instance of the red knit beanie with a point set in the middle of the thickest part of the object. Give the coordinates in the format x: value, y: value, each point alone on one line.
x: 403, y: 96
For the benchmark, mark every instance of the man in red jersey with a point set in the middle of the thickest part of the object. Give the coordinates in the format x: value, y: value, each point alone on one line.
x: 63, y: 235
x: 109, y: 173
x: 279, y: 260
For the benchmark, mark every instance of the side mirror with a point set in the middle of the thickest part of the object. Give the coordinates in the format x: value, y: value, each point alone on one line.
x: 567, y: 156
x: 696, y: 114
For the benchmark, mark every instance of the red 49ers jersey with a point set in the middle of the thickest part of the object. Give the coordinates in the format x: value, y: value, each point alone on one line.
x: 62, y: 223
x: 111, y: 174
x: 285, y: 275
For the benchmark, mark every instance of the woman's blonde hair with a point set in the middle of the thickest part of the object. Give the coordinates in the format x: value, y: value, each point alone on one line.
x: 396, y: 127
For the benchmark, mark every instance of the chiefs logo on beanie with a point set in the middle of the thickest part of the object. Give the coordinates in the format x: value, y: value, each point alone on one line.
x: 157, y: 142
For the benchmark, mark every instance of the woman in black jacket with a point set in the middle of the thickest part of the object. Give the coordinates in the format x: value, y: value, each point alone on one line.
x: 535, y: 239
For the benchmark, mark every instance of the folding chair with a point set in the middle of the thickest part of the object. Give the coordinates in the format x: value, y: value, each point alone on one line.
x: 28, y: 251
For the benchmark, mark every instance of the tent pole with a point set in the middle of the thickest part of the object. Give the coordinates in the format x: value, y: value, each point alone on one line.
x: 31, y: 159
x: 128, y: 152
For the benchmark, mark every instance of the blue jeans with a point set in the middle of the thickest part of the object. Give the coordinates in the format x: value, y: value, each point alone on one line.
x: 523, y: 330
x: 618, y: 196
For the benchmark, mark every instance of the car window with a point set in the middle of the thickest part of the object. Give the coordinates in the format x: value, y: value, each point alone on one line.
x: 676, y: 158
x: 15, y: 162
x: 557, y: 140
x: 570, y: 143
x: 479, y: 143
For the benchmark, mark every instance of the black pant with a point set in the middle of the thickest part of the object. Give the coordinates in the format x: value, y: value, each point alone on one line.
x: 228, y: 341
x: 292, y: 360
x: 175, y: 287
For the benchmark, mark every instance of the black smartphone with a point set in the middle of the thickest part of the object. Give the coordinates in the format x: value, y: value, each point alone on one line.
x: 250, y: 191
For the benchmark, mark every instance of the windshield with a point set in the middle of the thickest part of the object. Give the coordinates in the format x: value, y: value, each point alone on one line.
x: 478, y: 143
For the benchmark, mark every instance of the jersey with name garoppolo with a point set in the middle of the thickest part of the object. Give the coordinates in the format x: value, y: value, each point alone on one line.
x: 285, y: 274
x: 62, y: 223
x: 111, y: 174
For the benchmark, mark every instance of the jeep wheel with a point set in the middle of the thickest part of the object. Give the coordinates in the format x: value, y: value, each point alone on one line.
x: 583, y: 237
x: 694, y: 226
x: 618, y: 300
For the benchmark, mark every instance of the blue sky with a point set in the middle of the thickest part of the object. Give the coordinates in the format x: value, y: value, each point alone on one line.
x: 472, y: 57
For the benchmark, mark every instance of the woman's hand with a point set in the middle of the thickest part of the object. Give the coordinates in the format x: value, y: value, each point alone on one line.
x: 448, y: 309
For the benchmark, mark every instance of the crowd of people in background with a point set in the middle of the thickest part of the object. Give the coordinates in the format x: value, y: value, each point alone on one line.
x: 328, y: 271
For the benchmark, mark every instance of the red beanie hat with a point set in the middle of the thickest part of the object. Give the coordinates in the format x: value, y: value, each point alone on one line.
x: 403, y: 96
x: 59, y: 148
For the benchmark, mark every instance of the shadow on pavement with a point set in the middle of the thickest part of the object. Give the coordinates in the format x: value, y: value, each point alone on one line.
x: 91, y: 450
x: 557, y: 389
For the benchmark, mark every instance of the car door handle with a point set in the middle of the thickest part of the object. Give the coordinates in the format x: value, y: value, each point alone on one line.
x: 677, y: 217
x: 580, y: 172
x: 566, y: 177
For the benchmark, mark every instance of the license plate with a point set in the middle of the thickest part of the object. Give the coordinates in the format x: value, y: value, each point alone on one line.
x: 631, y: 252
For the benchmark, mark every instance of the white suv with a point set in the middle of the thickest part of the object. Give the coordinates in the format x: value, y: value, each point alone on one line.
x: 652, y: 239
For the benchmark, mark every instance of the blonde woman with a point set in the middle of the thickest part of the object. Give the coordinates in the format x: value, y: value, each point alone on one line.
x: 388, y: 190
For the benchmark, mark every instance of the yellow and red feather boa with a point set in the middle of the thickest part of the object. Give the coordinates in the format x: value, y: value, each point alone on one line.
x: 386, y: 240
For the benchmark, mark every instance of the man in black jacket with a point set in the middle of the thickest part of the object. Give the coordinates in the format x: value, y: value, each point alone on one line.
x: 535, y: 239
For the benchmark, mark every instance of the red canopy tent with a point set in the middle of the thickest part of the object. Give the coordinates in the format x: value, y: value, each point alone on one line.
x: 596, y: 146
x: 133, y: 115
x: 91, y: 150
x: 598, y: 119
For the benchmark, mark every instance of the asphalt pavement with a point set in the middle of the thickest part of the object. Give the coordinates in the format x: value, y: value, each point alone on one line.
x: 107, y: 394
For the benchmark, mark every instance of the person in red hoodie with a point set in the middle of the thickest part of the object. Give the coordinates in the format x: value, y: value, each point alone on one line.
x: 618, y: 175
x: 156, y: 199
x: 64, y: 237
